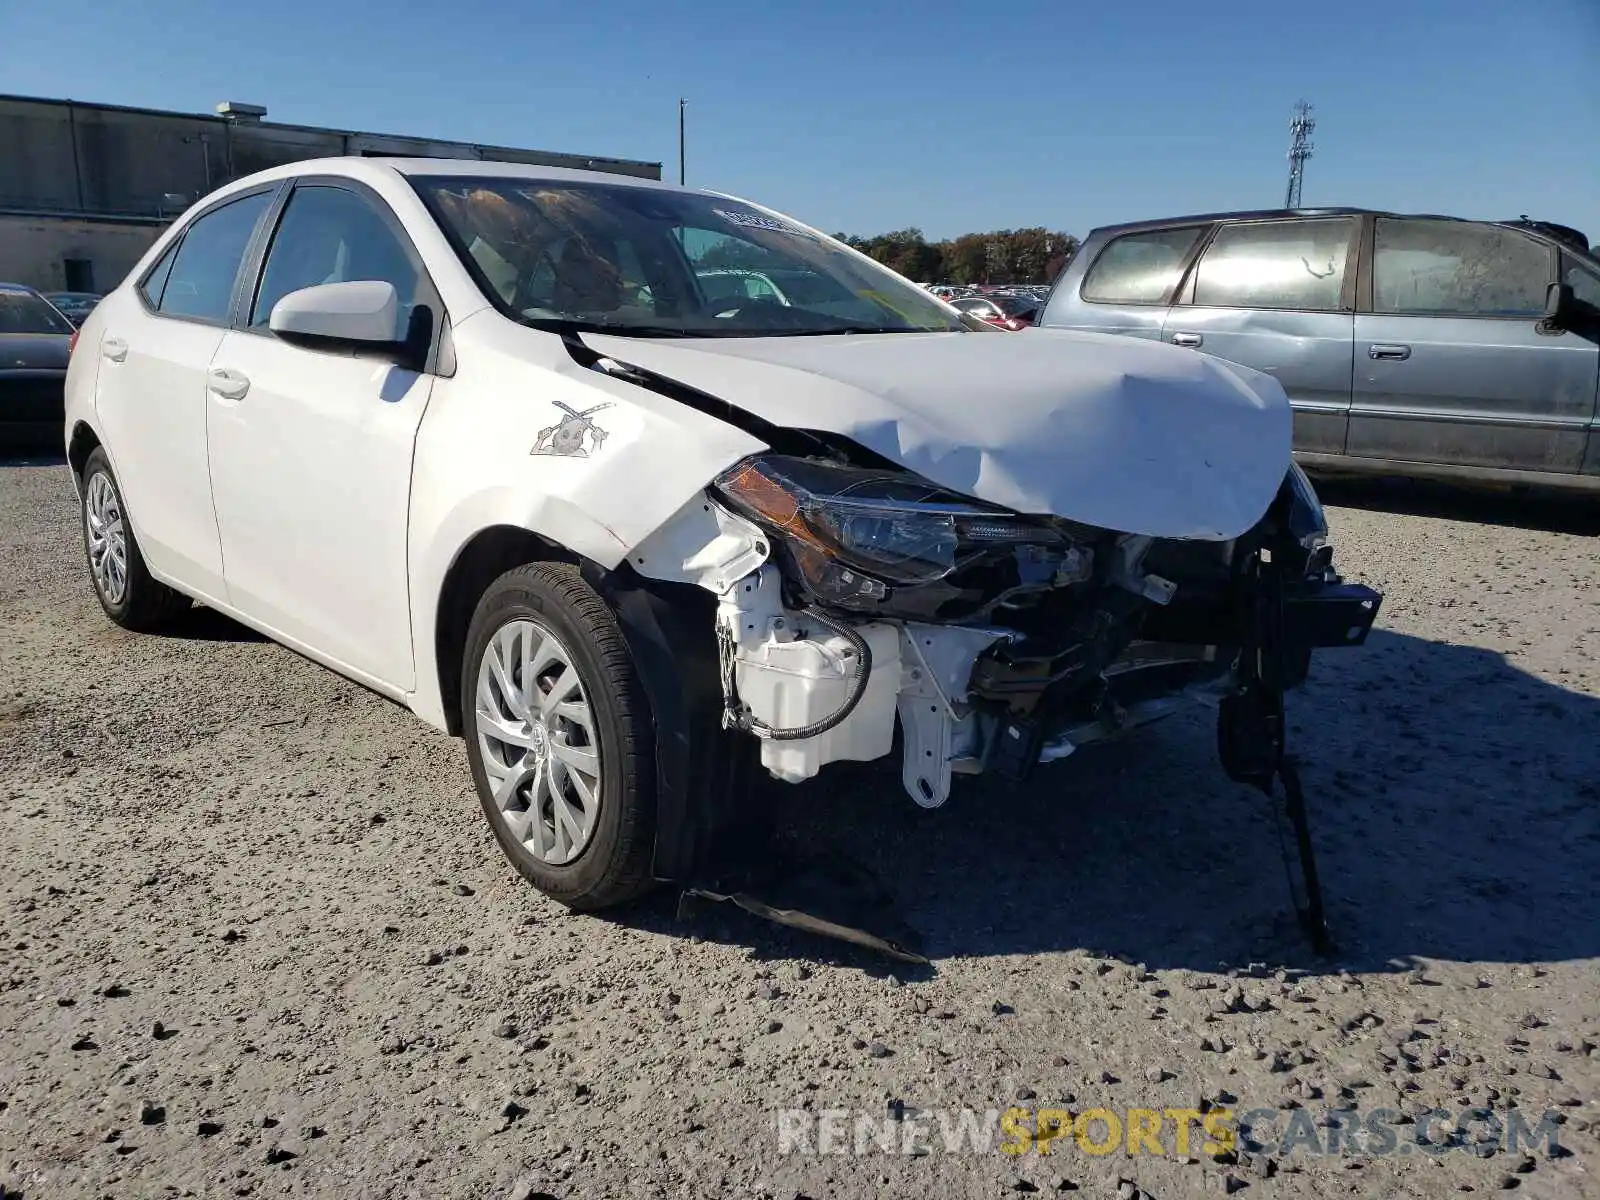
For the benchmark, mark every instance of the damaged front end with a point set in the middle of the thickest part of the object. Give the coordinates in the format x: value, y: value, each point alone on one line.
x: 853, y: 599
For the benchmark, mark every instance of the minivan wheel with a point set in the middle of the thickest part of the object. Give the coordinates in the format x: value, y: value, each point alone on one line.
x: 131, y: 596
x: 559, y: 737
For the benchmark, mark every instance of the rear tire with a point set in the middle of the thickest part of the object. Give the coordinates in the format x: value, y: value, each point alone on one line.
x: 559, y: 737
x: 130, y: 595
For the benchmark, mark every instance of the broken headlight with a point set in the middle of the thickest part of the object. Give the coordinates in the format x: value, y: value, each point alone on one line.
x: 853, y: 532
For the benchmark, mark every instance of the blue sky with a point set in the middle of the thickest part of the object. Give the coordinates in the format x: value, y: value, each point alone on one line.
x: 869, y: 115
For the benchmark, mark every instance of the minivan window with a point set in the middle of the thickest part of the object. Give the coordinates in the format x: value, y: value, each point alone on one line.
x: 1457, y: 268
x: 333, y: 235
x: 1140, y: 268
x: 200, y: 284
x: 1275, y: 264
x: 1585, y: 284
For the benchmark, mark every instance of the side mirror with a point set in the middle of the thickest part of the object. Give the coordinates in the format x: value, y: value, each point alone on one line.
x: 1559, y: 304
x: 360, y: 315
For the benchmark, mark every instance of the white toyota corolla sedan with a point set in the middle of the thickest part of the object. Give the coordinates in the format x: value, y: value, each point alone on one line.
x: 522, y: 449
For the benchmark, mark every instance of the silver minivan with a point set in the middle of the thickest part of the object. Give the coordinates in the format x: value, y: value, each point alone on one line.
x: 1408, y: 345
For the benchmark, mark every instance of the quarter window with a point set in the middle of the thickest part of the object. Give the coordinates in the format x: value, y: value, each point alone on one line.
x: 156, y: 280
x: 331, y: 235
x: 1457, y: 268
x: 1276, y: 264
x: 1140, y: 268
x: 200, y: 281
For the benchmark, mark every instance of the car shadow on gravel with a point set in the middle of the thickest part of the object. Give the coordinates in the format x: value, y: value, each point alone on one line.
x: 1455, y: 806
x: 1518, y: 508
x: 202, y: 624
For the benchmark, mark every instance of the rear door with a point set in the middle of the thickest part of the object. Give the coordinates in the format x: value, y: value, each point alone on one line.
x: 1453, y: 362
x: 1279, y: 296
x: 156, y: 343
x: 1129, y: 284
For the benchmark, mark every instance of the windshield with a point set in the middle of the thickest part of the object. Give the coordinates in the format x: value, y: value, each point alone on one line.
x: 659, y: 263
x: 23, y: 312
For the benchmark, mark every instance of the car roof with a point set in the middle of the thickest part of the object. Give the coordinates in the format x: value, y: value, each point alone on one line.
x: 473, y: 168
x: 1292, y: 214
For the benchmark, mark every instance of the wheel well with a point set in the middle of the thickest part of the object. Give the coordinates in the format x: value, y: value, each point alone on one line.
x: 490, y: 554
x: 84, y: 442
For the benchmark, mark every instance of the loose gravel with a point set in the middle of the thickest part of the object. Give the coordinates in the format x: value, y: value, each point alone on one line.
x: 255, y: 938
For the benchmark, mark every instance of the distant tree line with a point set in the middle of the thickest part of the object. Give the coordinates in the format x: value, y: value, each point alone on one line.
x: 1004, y: 256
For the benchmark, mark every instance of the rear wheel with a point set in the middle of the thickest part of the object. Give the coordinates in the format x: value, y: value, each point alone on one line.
x: 559, y: 737
x: 130, y: 595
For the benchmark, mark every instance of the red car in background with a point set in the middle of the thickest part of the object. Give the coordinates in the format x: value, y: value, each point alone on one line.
x: 1008, y: 312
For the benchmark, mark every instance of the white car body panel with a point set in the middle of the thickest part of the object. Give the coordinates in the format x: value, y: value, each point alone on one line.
x: 1138, y: 437
x: 150, y: 410
x: 311, y: 480
x: 476, y: 466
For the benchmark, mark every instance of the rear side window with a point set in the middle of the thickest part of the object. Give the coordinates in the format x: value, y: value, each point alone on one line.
x: 1275, y: 264
x: 156, y: 280
x: 200, y: 281
x: 1454, y: 268
x: 332, y: 235
x: 1140, y: 268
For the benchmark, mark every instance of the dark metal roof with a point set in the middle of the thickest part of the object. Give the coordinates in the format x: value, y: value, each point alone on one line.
x: 254, y: 124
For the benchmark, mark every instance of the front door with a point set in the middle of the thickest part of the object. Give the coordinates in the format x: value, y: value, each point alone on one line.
x: 1274, y: 295
x: 1453, y: 364
x: 311, y: 450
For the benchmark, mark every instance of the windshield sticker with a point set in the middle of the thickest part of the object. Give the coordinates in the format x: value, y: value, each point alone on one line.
x: 750, y: 220
x: 574, y: 436
x: 898, y: 307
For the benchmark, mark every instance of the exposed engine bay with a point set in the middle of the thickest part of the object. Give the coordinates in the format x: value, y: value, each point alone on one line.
x: 852, y: 599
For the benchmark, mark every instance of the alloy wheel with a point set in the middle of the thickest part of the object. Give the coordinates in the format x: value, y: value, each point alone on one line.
x: 107, y: 537
x: 536, y: 737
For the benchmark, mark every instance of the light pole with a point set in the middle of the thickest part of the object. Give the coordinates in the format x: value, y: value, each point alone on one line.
x: 682, y: 104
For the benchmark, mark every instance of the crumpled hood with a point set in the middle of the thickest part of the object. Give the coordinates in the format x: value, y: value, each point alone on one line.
x: 1121, y: 433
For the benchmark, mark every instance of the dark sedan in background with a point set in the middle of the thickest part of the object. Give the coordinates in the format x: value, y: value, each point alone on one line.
x: 35, y: 340
x: 75, y: 306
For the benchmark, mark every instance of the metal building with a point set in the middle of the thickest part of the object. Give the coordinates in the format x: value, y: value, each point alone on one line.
x: 85, y: 188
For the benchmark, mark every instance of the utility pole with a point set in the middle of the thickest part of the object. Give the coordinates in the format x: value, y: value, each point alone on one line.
x: 682, y: 104
x: 1301, y: 126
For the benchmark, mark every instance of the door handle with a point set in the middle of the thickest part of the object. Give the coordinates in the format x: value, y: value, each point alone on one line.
x: 230, y: 385
x: 1187, y: 339
x: 114, y: 348
x: 1379, y: 350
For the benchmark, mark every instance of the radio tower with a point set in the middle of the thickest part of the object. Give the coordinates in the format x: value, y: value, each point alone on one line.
x: 1300, y: 148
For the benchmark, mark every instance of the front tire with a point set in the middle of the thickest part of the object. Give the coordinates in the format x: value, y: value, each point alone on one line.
x: 130, y: 595
x: 559, y: 737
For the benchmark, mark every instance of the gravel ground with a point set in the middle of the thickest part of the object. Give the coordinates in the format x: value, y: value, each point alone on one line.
x: 257, y: 940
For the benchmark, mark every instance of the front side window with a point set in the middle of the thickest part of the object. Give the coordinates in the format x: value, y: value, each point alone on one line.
x: 1584, y: 282
x: 1275, y: 264
x: 332, y: 235
x: 1140, y: 268
x: 23, y: 311
x: 1456, y: 268
x: 200, y: 281
x: 654, y: 262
